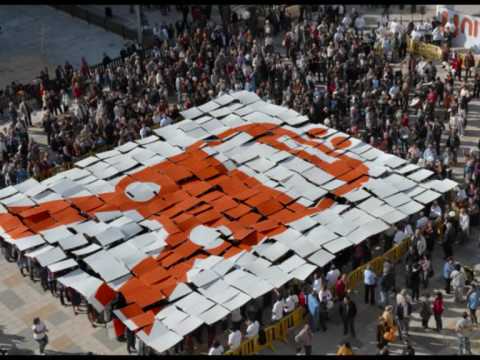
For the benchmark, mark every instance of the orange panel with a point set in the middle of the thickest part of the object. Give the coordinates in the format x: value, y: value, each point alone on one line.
x: 249, y: 219
x: 214, y: 195
x: 269, y: 207
x: 196, y: 188
x: 186, y: 222
x: 260, y: 198
x: 275, y: 231
x: 131, y: 310
x: 265, y: 225
x: 224, y: 203
x: 144, y: 266
x: 207, y: 173
x: 167, y: 224
x: 209, y: 216
x: 176, y: 239
x: 284, y: 216
x: 87, y: 204
x: 155, y: 275
x: 144, y: 319
x: 199, y: 209
x: 246, y: 194
x: 238, y: 211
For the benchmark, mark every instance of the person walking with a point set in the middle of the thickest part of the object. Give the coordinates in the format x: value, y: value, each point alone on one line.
x: 40, y: 334
x: 304, y: 339
x: 408, y: 349
x: 403, y: 313
x: 314, y: 310
x: 370, y: 281
x: 425, y: 311
x: 437, y: 310
x: 473, y: 301
x: 463, y: 328
x: 348, y: 311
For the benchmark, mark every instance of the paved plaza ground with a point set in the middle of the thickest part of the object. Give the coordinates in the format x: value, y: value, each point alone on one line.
x: 21, y: 300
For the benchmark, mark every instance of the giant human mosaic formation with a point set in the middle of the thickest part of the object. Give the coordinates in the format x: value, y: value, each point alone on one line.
x: 191, y: 223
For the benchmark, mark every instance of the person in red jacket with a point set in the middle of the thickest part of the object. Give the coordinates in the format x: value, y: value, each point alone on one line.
x: 76, y: 90
x: 341, y: 287
x: 456, y: 65
x: 437, y: 308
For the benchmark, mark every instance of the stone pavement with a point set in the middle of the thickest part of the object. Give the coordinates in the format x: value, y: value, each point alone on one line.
x: 21, y: 300
x: 36, y: 36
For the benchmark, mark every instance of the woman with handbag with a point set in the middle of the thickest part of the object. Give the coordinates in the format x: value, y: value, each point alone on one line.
x: 382, y: 329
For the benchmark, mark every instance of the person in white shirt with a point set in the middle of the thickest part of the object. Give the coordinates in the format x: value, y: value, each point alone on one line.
x: 234, y: 339
x: 464, y: 220
x: 421, y: 243
x: 40, y: 334
x: 252, y: 329
x: 408, y: 230
x: 277, y: 311
x: 291, y: 302
x: 236, y: 318
x: 216, y: 349
x: 435, y: 211
x: 458, y: 282
x: 317, y: 282
x: 332, y: 276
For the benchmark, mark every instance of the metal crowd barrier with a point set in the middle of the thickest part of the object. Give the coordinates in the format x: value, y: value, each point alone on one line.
x: 275, y: 332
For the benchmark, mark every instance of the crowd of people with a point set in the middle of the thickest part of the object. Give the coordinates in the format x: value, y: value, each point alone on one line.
x: 324, y: 64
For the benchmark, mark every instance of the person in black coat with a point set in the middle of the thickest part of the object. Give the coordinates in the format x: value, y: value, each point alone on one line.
x: 348, y: 311
x: 414, y: 281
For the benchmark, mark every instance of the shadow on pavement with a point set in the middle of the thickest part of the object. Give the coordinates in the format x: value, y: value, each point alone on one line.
x: 10, y: 343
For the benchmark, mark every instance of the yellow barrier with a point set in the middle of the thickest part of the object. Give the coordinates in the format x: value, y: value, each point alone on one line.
x: 394, y: 254
x: 275, y: 332
x: 428, y: 51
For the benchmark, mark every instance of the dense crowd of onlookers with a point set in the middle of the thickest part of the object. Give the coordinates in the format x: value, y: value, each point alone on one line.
x: 326, y: 65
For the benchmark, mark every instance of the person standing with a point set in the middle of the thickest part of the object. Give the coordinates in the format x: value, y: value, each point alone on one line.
x: 234, y: 339
x: 216, y: 349
x: 278, y: 307
x: 348, y: 311
x: 40, y: 334
x: 253, y: 327
x: 304, y: 338
x: 473, y: 300
x: 314, y: 309
x: 447, y: 270
x: 425, y: 311
x: 341, y: 287
x: 458, y: 282
x: 463, y: 329
x: 437, y: 309
x: 414, y: 281
x: 370, y: 281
